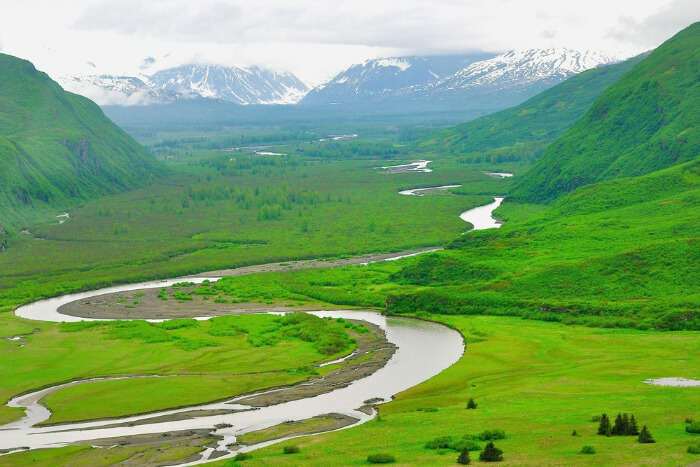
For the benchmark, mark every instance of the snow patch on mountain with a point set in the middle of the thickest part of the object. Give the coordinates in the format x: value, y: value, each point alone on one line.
x: 244, y: 86
x: 381, y: 77
x: 520, y: 68
x: 399, y: 63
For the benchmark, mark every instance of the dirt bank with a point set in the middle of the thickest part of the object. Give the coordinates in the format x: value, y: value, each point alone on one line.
x: 146, y: 304
x: 309, y: 426
x: 372, y: 353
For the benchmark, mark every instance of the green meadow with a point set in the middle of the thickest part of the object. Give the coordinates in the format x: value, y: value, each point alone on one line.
x: 538, y: 382
x: 198, y: 361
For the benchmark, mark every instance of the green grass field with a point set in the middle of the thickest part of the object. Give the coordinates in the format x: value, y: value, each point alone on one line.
x: 220, y: 219
x: 538, y: 382
x: 206, y: 361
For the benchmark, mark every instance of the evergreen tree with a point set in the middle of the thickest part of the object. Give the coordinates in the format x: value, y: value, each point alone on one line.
x: 625, y: 424
x: 604, y: 427
x: 633, y: 430
x: 618, y: 429
x: 471, y: 404
x: 645, y: 436
x: 491, y: 453
x: 464, y: 457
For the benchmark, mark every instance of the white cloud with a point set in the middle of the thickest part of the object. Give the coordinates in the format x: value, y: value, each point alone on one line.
x: 316, y: 38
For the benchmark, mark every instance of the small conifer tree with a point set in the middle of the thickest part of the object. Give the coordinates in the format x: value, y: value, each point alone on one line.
x: 464, y: 457
x: 471, y: 404
x: 604, y: 427
x: 645, y: 436
x: 574, y: 433
x: 633, y: 430
x: 625, y: 424
x: 618, y: 428
x: 491, y: 453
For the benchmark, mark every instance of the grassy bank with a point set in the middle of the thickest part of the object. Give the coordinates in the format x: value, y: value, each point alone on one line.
x: 228, y: 355
x: 537, y: 382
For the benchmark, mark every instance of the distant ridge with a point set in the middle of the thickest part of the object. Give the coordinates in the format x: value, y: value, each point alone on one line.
x: 486, y: 81
x: 540, y: 119
x: 238, y: 85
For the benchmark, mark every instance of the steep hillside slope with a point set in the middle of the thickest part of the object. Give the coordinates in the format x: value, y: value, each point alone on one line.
x: 540, y: 119
x: 646, y: 121
x: 56, y: 146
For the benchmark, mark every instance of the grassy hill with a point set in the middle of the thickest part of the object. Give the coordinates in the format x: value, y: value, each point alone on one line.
x: 646, y: 121
x: 57, y: 147
x: 531, y: 125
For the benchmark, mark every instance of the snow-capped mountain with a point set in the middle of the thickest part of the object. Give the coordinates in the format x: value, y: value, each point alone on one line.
x: 522, y: 68
x: 383, y: 77
x: 487, y: 82
x: 253, y: 85
x: 115, y: 90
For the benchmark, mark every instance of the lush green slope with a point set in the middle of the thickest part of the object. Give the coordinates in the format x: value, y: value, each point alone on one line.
x: 646, y: 121
x: 56, y: 146
x: 534, y: 123
x: 620, y: 253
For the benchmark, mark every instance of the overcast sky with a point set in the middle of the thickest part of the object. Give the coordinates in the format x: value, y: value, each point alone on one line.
x: 317, y: 38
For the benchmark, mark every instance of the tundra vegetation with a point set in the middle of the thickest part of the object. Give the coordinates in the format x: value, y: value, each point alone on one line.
x: 588, y: 290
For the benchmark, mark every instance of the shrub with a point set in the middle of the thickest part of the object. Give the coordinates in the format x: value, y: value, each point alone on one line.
x: 466, y: 443
x: 693, y: 427
x: 242, y: 456
x: 490, y: 435
x: 587, y: 450
x: 464, y: 457
x: 694, y: 449
x: 443, y: 442
x: 381, y: 458
x: 645, y: 436
x: 491, y: 454
x: 471, y: 404
x: 290, y: 449
x: 574, y: 433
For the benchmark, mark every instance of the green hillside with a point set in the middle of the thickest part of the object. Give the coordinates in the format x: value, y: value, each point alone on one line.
x: 56, y: 147
x: 534, y: 123
x: 646, y: 121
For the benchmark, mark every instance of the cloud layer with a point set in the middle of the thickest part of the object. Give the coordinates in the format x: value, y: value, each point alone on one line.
x: 315, y: 38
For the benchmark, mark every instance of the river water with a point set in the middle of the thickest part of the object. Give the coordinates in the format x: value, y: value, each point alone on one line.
x: 424, y: 350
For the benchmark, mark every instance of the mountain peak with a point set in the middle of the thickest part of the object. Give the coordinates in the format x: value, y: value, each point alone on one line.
x: 240, y: 85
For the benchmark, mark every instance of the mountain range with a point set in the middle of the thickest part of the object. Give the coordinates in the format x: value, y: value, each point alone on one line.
x: 383, y: 77
x: 536, y: 122
x: 239, y: 85
x: 481, y: 81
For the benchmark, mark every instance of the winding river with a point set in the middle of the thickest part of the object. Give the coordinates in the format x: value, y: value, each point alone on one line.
x: 424, y: 349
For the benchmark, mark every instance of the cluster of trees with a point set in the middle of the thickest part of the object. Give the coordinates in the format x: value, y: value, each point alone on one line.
x: 270, y: 202
x: 490, y: 454
x: 349, y: 150
x: 528, y: 152
x: 625, y: 425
